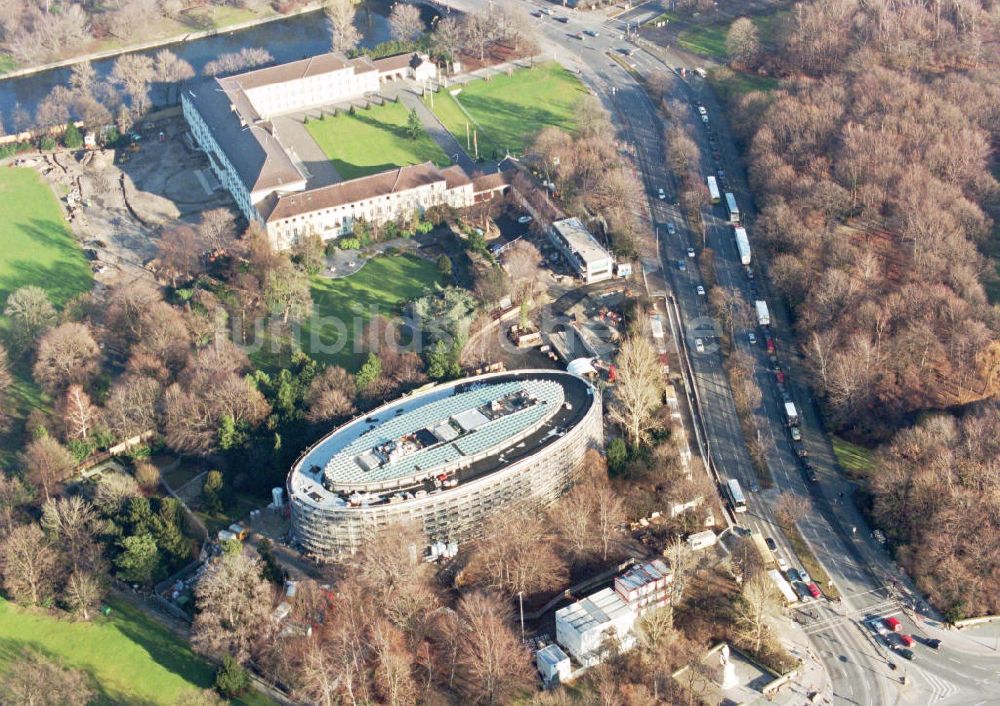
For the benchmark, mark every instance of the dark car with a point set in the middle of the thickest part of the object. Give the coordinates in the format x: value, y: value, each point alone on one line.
x: 793, y: 575
x: 564, y: 20
x: 771, y: 544
x: 905, y: 653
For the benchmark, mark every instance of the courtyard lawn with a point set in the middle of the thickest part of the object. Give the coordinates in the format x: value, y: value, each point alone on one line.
x: 372, y: 141
x: 130, y: 658
x: 381, y: 285
x: 39, y: 249
x: 507, y: 112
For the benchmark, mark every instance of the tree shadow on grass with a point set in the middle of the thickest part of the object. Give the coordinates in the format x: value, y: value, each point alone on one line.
x: 12, y: 650
x: 62, y: 279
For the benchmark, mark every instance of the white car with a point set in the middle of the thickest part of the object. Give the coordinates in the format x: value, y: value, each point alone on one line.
x: 796, y: 434
x: 704, y: 119
x: 699, y: 345
x: 752, y: 337
x: 661, y: 194
x: 690, y: 252
x: 805, y: 577
x: 701, y: 110
x: 671, y: 228
x: 524, y: 219
x: 700, y: 290
x: 782, y: 564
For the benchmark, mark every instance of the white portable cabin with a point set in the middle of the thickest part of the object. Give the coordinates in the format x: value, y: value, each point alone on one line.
x: 582, y: 627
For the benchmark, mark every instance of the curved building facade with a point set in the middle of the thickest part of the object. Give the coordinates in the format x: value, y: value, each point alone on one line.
x: 447, y: 458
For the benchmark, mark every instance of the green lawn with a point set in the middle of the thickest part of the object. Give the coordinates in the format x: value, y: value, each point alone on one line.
x: 7, y: 63
x: 709, y: 39
x: 858, y: 461
x: 507, y: 112
x: 130, y: 658
x: 372, y: 141
x: 347, y: 304
x: 38, y: 248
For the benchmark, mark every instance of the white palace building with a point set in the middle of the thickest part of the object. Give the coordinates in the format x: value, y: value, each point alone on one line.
x: 232, y: 121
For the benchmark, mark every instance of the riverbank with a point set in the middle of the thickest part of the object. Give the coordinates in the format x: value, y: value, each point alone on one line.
x: 163, y: 41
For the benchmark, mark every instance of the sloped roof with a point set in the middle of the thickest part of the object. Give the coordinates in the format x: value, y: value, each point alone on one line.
x: 259, y: 160
x: 382, y: 184
x: 304, y: 68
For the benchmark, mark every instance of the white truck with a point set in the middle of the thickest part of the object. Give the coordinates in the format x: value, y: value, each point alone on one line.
x: 742, y: 244
x: 784, y: 588
x: 763, y: 315
x: 791, y: 414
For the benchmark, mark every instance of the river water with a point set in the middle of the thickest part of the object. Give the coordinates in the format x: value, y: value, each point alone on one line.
x: 287, y: 40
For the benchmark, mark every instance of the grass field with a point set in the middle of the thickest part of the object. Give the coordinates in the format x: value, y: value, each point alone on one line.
x: 709, y: 39
x: 858, y: 461
x: 131, y: 659
x: 38, y: 249
x: 372, y: 141
x: 509, y: 111
x: 347, y: 304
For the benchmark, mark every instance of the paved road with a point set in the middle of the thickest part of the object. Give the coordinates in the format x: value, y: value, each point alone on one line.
x: 858, y: 665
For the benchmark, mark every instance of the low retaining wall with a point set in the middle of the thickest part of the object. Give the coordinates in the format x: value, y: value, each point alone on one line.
x: 970, y: 622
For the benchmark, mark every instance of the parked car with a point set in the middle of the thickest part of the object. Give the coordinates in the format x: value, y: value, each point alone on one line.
x: 661, y: 194
x: 814, y: 590
x: 771, y: 544
x: 906, y: 640
x: 754, y: 488
x: 681, y: 265
x: 690, y: 252
x: 699, y: 345
x: 796, y: 434
x: 804, y: 576
x: 905, y: 653
x: 793, y: 575
x: 779, y: 375
x: 524, y: 219
x: 671, y: 229
x: 591, y: 33
x: 782, y: 564
x: 701, y: 110
x: 752, y: 337
x: 893, y: 624
x: 700, y: 290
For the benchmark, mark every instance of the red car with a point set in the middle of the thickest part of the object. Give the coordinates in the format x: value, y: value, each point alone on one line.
x: 780, y: 377
x: 814, y: 590
x: 906, y: 640
x: 893, y: 625
x: 770, y: 345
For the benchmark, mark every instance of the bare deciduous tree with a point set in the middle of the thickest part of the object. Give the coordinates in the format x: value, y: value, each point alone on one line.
x: 340, y: 13
x: 46, y: 463
x: 405, y: 22
x: 516, y: 555
x: 131, y: 405
x: 78, y: 414
x: 492, y: 663
x: 756, y: 605
x: 66, y: 355
x: 28, y: 564
x: 30, y: 313
x: 234, y: 605
x: 589, y: 519
x: 638, y: 387
x: 331, y: 395
x: 742, y: 42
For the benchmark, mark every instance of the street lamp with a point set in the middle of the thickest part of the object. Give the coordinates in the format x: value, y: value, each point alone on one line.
x: 520, y: 600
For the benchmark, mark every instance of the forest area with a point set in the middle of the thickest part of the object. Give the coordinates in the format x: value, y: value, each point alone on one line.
x: 872, y: 165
